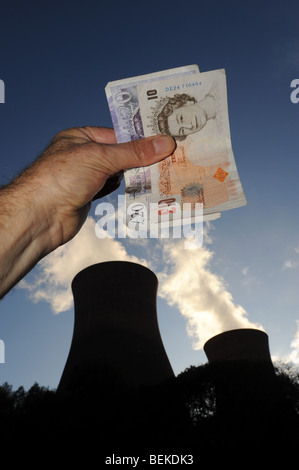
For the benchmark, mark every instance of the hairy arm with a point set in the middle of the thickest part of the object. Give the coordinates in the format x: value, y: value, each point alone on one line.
x: 48, y: 203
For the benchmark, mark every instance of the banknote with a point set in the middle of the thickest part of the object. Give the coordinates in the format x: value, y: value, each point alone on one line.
x: 124, y: 103
x: 192, y: 107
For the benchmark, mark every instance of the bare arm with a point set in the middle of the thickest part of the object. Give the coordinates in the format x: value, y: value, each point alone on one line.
x: 47, y: 205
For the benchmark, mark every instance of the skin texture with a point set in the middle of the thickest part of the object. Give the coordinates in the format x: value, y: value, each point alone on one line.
x: 48, y: 203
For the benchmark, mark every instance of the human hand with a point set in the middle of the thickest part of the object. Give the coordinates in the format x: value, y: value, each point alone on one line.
x: 82, y: 164
x: 48, y: 203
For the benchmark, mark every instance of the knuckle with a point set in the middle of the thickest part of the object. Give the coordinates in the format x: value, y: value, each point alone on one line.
x: 66, y: 134
x: 138, y: 150
x: 60, y: 134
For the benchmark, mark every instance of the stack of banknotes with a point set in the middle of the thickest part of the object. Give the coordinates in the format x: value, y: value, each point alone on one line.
x: 191, y: 107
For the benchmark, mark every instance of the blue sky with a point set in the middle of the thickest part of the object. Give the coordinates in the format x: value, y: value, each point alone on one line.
x: 56, y: 59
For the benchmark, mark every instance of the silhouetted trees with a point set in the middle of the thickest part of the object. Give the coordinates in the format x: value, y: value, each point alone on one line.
x: 209, y: 407
x: 240, y: 404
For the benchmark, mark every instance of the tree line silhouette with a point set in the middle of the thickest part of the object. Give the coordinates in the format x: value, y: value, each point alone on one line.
x: 212, y: 407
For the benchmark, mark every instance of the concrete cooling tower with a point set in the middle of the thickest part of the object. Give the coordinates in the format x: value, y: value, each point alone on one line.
x: 116, y: 334
x: 238, y: 345
x: 244, y: 375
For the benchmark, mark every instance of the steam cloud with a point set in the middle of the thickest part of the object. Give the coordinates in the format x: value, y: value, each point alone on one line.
x: 294, y: 355
x: 57, y: 270
x: 200, y: 295
x: 185, y: 281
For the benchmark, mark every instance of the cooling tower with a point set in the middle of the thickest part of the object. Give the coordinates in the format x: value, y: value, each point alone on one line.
x: 116, y: 335
x: 238, y: 345
x: 251, y: 409
x: 244, y: 378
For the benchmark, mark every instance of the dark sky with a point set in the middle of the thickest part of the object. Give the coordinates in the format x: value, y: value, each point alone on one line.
x: 56, y: 59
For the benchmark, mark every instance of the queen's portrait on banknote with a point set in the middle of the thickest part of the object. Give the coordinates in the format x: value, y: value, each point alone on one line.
x: 183, y: 115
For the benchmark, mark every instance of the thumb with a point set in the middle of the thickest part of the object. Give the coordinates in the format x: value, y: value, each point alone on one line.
x: 137, y: 153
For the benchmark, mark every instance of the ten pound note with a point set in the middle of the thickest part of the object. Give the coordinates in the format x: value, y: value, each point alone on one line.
x: 192, y: 107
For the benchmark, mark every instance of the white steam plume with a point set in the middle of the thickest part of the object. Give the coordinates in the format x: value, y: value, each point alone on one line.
x: 185, y: 280
x: 200, y: 295
x: 294, y: 355
x: 57, y: 270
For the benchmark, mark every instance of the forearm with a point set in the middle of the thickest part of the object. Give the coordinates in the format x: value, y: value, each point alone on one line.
x: 25, y: 236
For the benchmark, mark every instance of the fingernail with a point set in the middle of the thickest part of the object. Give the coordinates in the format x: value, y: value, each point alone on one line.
x: 164, y: 144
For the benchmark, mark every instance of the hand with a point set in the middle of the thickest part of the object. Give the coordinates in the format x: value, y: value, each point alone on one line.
x: 82, y: 164
x: 48, y: 203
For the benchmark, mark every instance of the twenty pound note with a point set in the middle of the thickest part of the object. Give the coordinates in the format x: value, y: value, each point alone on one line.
x: 191, y: 107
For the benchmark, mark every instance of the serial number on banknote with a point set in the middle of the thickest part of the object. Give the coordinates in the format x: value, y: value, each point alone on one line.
x: 182, y: 86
